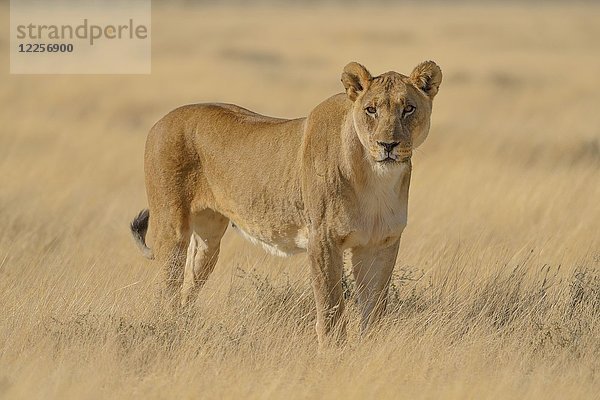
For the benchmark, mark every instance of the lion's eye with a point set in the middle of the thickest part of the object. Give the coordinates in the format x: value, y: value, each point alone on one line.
x: 409, y: 110
x: 371, y: 110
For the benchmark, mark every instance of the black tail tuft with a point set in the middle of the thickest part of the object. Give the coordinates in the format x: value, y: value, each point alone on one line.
x: 139, y: 227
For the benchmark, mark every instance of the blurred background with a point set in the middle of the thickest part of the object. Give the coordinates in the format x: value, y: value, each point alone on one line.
x: 510, y: 173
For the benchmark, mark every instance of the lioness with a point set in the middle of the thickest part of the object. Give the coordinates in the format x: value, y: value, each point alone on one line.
x: 333, y: 184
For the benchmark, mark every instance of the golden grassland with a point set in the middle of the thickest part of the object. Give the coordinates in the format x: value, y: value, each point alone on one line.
x: 497, y: 285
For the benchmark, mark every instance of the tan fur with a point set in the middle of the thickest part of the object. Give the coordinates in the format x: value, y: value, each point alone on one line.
x: 316, y: 184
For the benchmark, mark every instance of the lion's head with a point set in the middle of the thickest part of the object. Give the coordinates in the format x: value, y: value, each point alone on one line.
x: 391, y: 112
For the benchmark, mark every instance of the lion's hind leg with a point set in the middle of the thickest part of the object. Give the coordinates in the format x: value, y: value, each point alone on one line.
x: 170, y: 228
x: 208, y: 227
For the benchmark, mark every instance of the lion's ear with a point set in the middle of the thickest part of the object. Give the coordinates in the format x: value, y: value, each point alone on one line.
x: 427, y: 76
x: 355, y: 78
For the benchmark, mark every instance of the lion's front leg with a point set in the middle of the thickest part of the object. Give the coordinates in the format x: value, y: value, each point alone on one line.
x: 372, y: 268
x: 326, y: 264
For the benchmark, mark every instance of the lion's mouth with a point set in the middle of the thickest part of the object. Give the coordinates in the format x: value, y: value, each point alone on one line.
x: 387, y: 160
x: 390, y: 160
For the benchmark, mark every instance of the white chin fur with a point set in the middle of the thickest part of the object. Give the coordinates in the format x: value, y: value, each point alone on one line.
x: 387, y: 168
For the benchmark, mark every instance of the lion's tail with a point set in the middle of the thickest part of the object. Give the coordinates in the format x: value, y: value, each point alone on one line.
x: 139, y: 227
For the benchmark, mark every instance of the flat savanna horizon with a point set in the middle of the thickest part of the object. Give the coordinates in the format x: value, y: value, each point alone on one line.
x: 496, y: 292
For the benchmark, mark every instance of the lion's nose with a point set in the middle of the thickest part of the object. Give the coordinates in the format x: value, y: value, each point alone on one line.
x: 388, y: 146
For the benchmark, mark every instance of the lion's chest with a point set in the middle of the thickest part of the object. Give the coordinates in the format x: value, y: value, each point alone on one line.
x: 380, y: 220
x: 380, y: 216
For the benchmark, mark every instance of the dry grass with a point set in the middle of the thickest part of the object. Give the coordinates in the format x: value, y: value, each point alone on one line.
x: 497, y: 287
